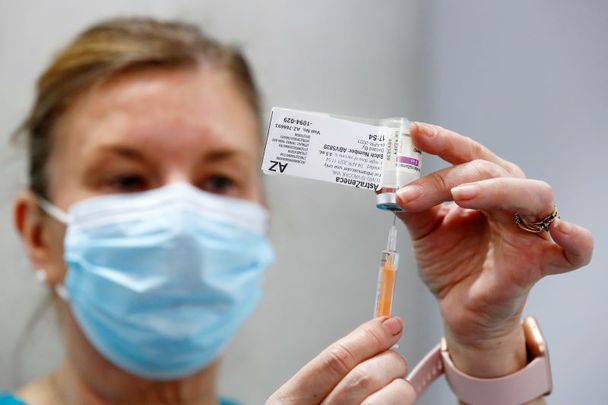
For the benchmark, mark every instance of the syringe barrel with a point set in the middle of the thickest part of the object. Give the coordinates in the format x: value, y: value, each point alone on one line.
x: 387, y: 275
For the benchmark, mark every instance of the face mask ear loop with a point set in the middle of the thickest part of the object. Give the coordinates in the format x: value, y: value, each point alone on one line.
x: 53, y: 211
x: 63, y: 217
x: 60, y: 289
x: 62, y: 292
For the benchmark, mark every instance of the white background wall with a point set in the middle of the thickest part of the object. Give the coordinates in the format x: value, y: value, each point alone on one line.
x: 527, y: 80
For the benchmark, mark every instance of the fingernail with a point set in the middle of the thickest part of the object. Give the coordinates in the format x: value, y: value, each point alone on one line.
x: 428, y: 131
x: 415, y: 126
x: 563, y: 226
x: 409, y: 193
x: 465, y: 191
x: 393, y: 325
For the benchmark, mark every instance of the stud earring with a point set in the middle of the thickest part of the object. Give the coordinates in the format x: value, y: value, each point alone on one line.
x: 40, y: 276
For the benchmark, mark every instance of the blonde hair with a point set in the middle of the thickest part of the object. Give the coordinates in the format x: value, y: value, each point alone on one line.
x: 111, y: 47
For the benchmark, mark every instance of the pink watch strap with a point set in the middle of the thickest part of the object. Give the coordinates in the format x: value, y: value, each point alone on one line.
x: 427, y: 371
x: 520, y: 387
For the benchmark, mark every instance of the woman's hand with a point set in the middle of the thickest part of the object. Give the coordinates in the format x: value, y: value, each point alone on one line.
x: 357, y: 369
x: 479, y: 264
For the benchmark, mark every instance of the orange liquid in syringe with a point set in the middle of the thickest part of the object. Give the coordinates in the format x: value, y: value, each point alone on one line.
x: 386, y: 286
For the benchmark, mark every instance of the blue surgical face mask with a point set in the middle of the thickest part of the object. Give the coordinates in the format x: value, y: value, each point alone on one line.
x: 159, y: 281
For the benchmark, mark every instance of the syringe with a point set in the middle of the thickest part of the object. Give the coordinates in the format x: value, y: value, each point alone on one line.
x: 387, y: 274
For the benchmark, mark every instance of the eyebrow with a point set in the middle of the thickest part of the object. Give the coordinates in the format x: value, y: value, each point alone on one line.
x: 211, y: 157
x: 222, y: 154
x: 127, y: 152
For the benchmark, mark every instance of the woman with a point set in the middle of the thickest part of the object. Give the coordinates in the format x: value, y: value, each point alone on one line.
x: 144, y: 215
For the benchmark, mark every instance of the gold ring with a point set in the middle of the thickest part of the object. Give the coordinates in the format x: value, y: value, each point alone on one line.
x: 537, y: 226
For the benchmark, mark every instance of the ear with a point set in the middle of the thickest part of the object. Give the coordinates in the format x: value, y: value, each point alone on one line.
x: 42, y: 237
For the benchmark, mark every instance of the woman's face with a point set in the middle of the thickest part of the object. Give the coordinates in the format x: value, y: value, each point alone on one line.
x: 146, y: 129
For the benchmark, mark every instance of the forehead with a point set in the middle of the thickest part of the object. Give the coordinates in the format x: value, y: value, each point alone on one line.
x: 177, y: 111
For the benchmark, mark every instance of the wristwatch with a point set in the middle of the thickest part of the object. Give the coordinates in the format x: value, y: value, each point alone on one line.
x: 531, y: 382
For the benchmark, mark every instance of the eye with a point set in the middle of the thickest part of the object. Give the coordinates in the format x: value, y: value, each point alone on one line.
x: 219, y: 184
x: 127, y: 183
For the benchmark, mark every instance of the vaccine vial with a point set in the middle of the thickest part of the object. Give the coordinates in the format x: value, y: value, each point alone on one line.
x: 401, y: 163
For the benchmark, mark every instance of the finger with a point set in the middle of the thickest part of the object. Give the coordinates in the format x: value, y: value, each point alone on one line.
x: 532, y: 198
x: 398, y: 392
x: 316, y: 379
x: 455, y: 148
x: 367, y: 378
x: 573, y: 248
x: 436, y: 187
